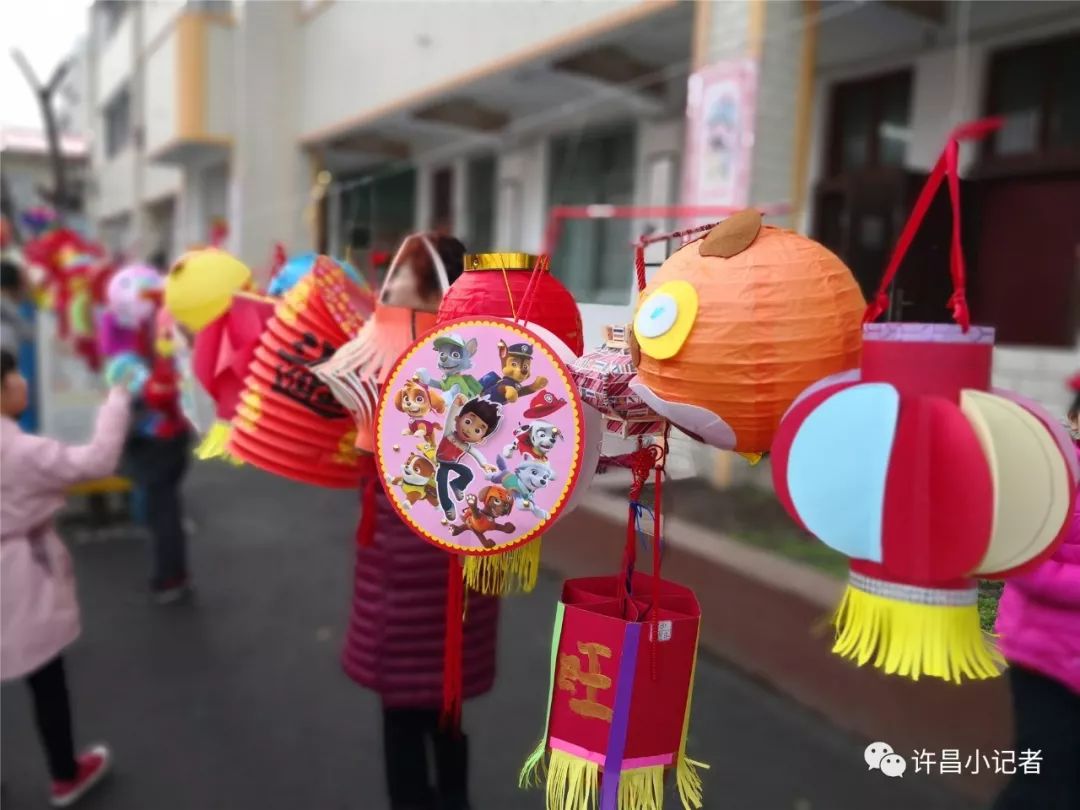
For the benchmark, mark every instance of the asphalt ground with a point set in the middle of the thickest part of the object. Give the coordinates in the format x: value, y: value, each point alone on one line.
x: 236, y: 701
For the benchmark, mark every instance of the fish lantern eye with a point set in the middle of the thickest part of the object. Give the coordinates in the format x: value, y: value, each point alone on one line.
x: 664, y: 319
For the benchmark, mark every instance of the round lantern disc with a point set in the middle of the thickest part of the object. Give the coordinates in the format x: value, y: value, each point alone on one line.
x: 486, y: 474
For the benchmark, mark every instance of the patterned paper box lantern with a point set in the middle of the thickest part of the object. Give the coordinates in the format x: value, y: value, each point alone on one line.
x: 734, y: 325
x: 504, y: 285
x: 603, y: 377
x: 926, y: 478
x: 620, y: 695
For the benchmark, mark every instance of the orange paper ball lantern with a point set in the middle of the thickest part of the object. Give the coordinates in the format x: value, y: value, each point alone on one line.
x: 495, y: 284
x: 736, y: 324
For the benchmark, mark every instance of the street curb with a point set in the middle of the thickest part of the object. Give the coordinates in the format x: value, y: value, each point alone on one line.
x: 767, y: 616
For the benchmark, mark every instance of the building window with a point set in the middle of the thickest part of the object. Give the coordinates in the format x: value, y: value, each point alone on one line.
x: 594, y: 257
x: 1036, y: 89
x: 442, y: 200
x: 481, y: 233
x: 117, y: 115
x: 376, y: 213
x: 870, y: 123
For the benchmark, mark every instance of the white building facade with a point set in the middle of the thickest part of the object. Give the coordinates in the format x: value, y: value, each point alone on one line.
x: 327, y: 124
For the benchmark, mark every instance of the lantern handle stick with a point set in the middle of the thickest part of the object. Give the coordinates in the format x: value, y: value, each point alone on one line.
x: 946, y: 168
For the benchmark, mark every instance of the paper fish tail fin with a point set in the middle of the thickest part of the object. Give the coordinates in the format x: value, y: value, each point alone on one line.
x: 911, y: 639
x: 215, y: 444
x: 501, y: 574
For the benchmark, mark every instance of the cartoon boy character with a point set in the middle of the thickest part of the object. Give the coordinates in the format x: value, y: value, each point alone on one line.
x: 455, y: 358
x: 516, y: 362
x: 468, y: 424
x: 416, y: 400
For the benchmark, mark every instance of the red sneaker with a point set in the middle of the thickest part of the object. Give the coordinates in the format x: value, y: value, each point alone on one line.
x: 93, y: 765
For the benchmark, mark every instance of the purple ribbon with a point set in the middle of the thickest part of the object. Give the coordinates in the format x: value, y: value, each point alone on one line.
x: 620, y: 719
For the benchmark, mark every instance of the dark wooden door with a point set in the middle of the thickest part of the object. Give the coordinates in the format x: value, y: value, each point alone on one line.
x: 1025, y: 279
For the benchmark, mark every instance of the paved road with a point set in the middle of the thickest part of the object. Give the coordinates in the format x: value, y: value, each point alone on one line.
x: 236, y: 702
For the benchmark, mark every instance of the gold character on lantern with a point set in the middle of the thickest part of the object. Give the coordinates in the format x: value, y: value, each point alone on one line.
x: 570, y: 675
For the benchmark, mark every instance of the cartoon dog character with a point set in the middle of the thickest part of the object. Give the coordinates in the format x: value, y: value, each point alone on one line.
x: 417, y: 479
x: 534, y: 440
x: 416, y: 401
x: 524, y: 482
x: 516, y: 362
x: 482, y: 512
x: 455, y: 358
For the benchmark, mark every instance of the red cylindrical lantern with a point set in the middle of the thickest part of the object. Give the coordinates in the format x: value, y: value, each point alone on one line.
x: 496, y: 284
x: 924, y: 476
x: 289, y: 423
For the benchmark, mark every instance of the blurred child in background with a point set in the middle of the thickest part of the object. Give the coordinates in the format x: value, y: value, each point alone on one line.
x: 40, y: 612
x: 1039, y: 625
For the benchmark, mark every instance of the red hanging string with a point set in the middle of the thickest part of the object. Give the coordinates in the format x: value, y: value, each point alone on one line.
x: 655, y: 635
x: 452, y: 652
x: 944, y: 168
x: 528, y: 298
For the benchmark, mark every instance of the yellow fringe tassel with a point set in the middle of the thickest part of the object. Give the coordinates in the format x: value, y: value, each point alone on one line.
x: 642, y: 788
x: 571, y: 782
x: 502, y: 574
x: 909, y: 639
x: 215, y: 444
x: 687, y: 778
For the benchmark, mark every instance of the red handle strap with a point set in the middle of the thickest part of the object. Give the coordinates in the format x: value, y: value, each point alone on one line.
x: 528, y: 298
x: 944, y: 169
x: 652, y: 239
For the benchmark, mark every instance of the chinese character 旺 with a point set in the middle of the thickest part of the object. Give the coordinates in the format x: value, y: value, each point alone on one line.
x: 1030, y: 761
x: 950, y: 761
x: 570, y: 675
x: 1004, y: 762
x: 924, y: 761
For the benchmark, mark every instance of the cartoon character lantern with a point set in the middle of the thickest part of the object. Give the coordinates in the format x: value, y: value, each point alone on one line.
x: 505, y: 285
x: 131, y: 301
x: 924, y: 476
x: 517, y: 434
x: 733, y: 326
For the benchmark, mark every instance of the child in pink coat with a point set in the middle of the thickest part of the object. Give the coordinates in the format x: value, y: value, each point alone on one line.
x: 1039, y: 625
x: 39, y: 614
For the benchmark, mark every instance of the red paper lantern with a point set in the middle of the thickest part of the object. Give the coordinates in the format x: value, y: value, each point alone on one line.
x: 497, y: 284
x: 289, y: 423
x: 926, y: 478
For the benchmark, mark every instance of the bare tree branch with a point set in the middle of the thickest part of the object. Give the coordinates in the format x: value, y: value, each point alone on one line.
x: 61, y: 197
x: 27, y: 70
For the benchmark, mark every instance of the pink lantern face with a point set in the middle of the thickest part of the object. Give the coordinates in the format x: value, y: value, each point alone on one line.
x: 130, y: 295
x: 931, y: 480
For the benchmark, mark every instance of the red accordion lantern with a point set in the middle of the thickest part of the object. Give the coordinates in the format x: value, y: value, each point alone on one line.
x: 603, y: 377
x: 926, y: 477
x: 287, y: 422
x: 499, y: 284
